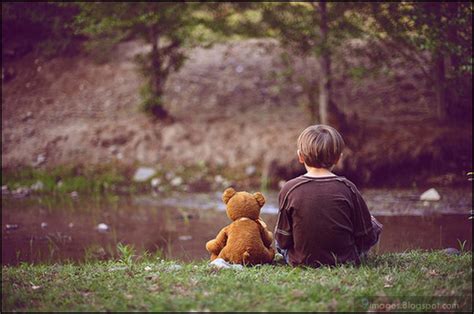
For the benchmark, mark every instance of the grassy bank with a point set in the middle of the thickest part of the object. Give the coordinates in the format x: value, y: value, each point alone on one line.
x: 118, y: 179
x: 155, y: 285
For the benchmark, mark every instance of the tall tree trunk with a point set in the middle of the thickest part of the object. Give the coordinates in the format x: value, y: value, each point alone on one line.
x: 325, y: 64
x: 440, y: 72
x: 440, y: 85
x: 156, y: 77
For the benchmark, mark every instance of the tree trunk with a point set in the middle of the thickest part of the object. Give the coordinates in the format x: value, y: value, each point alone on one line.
x: 325, y: 64
x: 440, y: 77
x: 156, y: 78
x: 440, y: 73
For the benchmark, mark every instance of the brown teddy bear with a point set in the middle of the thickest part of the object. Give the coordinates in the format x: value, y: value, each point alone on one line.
x: 246, y: 240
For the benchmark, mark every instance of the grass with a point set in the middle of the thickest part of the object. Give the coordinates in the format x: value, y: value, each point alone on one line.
x: 152, y: 284
x: 118, y: 179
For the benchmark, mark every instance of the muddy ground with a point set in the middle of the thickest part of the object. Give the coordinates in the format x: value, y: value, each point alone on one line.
x: 234, y: 104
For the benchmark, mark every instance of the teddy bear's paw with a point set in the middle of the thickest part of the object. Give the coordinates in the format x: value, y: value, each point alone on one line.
x: 221, y: 264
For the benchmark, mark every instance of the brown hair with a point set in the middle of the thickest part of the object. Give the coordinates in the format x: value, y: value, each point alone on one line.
x: 320, y: 145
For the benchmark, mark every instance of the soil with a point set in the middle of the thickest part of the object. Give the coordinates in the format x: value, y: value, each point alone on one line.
x: 234, y: 104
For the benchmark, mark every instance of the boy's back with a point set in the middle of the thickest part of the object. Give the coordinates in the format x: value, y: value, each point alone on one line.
x: 323, y: 220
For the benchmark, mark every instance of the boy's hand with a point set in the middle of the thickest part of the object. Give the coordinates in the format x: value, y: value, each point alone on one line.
x: 262, y: 223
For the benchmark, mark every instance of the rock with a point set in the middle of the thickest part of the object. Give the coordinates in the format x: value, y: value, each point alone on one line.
x: 281, y: 183
x: 102, y: 227
x: 220, y: 263
x: 41, y: 158
x: 218, y: 179
x: 115, y: 268
x: 185, y: 237
x: 5, y: 190
x: 27, y: 116
x: 113, y: 149
x: 176, y: 181
x: 155, y: 182
x: 143, y: 174
x: 430, y: 195
x: 44, y: 225
x: 250, y: 170
x: 21, y: 192
x: 38, y: 185
x: 70, y: 225
x: 451, y: 251
x: 174, y: 267
x: 74, y: 194
x: 148, y: 268
x: 11, y: 226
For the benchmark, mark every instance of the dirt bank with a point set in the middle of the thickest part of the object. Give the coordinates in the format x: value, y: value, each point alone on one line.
x: 235, y: 104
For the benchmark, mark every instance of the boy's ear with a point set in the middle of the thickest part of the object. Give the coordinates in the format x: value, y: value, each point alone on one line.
x: 228, y: 193
x: 300, y: 156
x: 260, y: 198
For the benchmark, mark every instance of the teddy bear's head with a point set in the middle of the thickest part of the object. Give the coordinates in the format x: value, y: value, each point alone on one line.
x: 242, y: 204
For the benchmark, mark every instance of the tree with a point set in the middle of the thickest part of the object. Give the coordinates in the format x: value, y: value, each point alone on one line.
x: 444, y: 31
x: 44, y: 27
x: 165, y: 26
x: 313, y: 29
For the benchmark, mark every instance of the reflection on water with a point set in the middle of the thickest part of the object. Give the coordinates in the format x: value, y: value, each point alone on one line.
x: 179, y: 225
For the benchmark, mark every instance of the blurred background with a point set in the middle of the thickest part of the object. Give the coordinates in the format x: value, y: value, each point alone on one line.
x: 123, y: 122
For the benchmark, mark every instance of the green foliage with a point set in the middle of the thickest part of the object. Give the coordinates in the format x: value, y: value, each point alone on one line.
x: 66, y: 179
x: 44, y: 27
x: 126, y: 255
x: 166, y: 27
x: 443, y: 30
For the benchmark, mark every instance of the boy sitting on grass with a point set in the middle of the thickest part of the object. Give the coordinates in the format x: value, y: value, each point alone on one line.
x: 322, y: 218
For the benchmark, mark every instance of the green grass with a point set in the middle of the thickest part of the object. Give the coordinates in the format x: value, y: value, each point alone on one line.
x: 150, y: 284
x: 117, y: 179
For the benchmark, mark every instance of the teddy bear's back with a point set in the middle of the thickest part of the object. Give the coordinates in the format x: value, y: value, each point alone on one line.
x: 244, y: 239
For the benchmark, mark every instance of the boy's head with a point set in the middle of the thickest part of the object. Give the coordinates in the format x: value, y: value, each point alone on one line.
x: 320, y: 146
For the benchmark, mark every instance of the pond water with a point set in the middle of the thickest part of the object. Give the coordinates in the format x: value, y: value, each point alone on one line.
x: 178, y: 225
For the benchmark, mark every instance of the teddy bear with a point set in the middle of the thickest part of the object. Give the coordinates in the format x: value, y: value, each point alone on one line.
x: 246, y: 240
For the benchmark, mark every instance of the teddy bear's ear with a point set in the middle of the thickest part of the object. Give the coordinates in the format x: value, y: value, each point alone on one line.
x: 260, y: 198
x: 228, y: 193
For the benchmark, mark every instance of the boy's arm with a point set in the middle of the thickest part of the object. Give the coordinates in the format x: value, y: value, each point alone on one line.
x: 366, y: 228
x: 283, y: 230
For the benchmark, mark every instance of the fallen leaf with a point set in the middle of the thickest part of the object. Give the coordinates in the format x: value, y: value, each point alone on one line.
x: 34, y: 287
x: 433, y: 272
x: 388, y: 281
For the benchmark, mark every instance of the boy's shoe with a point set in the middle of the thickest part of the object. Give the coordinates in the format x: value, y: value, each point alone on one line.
x: 279, y: 259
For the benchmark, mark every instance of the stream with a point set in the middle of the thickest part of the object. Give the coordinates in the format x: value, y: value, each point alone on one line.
x: 177, y: 225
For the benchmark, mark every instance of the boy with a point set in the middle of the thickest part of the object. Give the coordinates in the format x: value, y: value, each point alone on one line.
x: 323, y: 219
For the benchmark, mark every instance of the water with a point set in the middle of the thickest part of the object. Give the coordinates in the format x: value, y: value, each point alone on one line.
x: 179, y: 225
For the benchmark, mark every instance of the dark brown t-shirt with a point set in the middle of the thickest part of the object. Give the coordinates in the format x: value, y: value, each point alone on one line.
x: 323, y: 221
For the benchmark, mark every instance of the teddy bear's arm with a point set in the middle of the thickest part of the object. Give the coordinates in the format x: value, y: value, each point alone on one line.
x: 216, y: 245
x: 267, y: 236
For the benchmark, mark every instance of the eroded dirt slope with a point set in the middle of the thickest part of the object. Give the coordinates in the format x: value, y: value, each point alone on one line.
x: 233, y: 105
